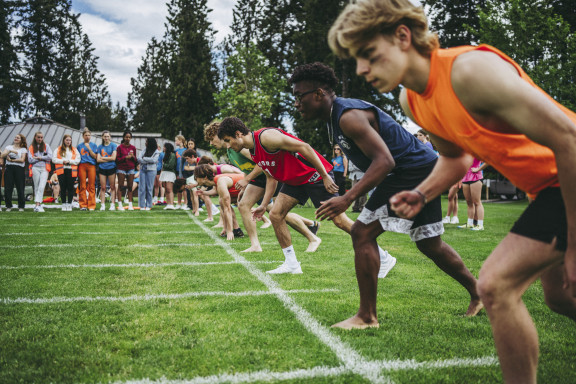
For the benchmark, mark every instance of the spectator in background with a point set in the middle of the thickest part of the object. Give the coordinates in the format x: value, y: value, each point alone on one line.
x: 148, y: 161
x: 15, y: 173
x: 355, y: 174
x: 158, y: 189
x: 181, y: 197
x: 422, y: 135
x: 168, y: 174
x: 1, y: 178
x: 472, y: 189
x: 107, y: 169
x: 340, y: 163
x: 39, y: 158
x: 452, y: 205
x: 87, y: 170
x: 126, y: 169
x: 66, y: 160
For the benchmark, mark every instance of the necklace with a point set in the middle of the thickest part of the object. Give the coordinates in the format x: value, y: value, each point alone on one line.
x: 329, y: 127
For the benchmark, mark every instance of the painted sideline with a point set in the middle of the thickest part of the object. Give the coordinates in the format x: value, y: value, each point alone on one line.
x: 131, y: 265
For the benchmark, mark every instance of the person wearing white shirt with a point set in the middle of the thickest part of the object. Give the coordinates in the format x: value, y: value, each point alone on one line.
x: 39, y: 158
x: 66, y: 159
x: 14, y: 175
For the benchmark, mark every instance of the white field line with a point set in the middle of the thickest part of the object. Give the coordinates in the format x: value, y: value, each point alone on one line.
x: 170, y: 224
x: 170, y: 296
x: 99, y: 233
x: 132, y: 265
x: 351, y: 359
x: 106, y: 245
x: 321, y: 372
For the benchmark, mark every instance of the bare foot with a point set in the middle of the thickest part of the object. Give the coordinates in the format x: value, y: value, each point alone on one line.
x: 219, y: 225
x: 253, y: 248
x: 196, y: 213
x: 313, y: 245
x: 209, y: 219
x: 356, y: 322
x: 474, y: 307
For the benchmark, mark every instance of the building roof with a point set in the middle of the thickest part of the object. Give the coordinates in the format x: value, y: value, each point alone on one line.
x: 53, y: 133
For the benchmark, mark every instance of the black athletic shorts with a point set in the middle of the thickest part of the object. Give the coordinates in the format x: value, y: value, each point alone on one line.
x: 315, y: 192
x: 545, y: 219
x: 427, y: 224
x: 108, y: 172
x: 260, y: 181
x: 470, y: 182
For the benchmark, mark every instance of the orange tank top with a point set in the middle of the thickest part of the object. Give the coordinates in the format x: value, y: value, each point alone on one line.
x: 235, y: 178
x: 531, y: 167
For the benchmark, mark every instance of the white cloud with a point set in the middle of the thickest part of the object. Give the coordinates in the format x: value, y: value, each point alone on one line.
x: 121, y: 30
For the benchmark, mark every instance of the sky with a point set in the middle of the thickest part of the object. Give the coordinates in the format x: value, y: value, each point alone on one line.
x: 120, y: 32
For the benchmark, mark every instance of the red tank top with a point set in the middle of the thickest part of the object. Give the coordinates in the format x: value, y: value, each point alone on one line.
x: 528, y: 165
x: 286, y: 167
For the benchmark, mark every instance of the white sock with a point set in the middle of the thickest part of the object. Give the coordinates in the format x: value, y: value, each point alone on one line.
x: 481, y: 223
x: 383, y: 255
x: 289, y: 255
x: 470, y: 222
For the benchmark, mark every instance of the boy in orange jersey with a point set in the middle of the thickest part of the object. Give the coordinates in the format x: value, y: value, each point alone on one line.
x: 477, y: 102
x: 225, y: 184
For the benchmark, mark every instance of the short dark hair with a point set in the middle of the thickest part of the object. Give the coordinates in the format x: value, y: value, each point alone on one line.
x: 204, y: 171
x: 230, y: 125
x: 206, y: 160
x: 189, y: 153
x: 318, y: 73
x: 179, y: 184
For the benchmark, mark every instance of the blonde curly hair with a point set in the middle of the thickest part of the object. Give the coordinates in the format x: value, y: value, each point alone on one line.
x: 361, y: 21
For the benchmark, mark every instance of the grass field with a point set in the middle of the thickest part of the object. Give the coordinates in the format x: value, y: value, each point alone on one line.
x: 158, y: 297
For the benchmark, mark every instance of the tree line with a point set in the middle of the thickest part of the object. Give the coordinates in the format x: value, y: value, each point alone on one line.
x: 47, y: 64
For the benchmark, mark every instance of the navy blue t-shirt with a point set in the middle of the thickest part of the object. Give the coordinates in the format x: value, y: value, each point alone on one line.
x: 407, y: 150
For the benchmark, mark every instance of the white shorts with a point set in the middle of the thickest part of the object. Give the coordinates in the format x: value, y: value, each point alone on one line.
x: 167, y: 176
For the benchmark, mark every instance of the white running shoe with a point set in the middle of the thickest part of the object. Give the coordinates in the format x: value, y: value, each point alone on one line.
x: 170, y: 207
x: 185, y: 208
x: 40, y: 209
x: 64, y: 207
x: 120, y: 207
x: 126, y: 201
x: 102, y: 207
x: 97, y: 200
x: 454, y: 220
x: 130, y: 207
x: 177, y: 206
x: 285, y: 268
x: 154, y: 200
x: 386, y: 266
x: 74, y: 204
x: 112, y: 207
x: 446, y: 220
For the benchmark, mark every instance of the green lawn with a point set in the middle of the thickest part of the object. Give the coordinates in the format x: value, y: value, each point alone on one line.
x: 95, y: 297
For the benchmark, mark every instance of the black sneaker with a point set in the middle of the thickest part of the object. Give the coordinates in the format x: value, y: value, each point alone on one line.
x: 238, y: 233
x: 314, y: 227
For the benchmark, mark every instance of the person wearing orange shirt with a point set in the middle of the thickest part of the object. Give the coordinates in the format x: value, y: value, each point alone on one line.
x: 66, y: 159
x: 225, y: 184
x: 477, y: 102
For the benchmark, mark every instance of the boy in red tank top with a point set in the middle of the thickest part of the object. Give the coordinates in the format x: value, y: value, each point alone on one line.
x: 477, y: 102
x: 304, y: 172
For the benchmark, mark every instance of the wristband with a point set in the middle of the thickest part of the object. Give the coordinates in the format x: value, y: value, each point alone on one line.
x: 424, y: 199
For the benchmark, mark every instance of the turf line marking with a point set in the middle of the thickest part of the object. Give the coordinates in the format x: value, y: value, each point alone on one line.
x: 352, y: 360
x: 98, y: 233
x: 134, y: 265
x: 170, y: 296
x: 101, y: 223
x: 107, y: 245
x: 320, y: 371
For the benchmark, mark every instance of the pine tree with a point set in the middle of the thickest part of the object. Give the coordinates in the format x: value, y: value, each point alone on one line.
x: 9, y: 94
